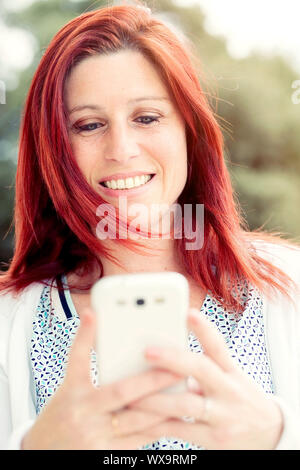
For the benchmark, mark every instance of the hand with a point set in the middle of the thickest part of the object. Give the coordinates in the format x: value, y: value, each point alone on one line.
x: 230, y: 411
x: 81, y: 416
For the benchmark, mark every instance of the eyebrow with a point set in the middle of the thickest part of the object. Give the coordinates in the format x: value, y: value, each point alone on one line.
x: 135, y: 100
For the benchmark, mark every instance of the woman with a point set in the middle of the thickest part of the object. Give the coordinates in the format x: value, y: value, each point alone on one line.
x: 115, y: 96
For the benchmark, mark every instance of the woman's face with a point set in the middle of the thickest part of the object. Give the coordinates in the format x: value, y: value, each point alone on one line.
x: 123, y: 123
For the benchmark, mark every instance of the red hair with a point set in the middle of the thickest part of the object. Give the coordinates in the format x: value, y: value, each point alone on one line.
x: 55, y: 206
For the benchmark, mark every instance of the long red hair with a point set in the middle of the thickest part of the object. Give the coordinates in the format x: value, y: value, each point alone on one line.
x: 54, y: 205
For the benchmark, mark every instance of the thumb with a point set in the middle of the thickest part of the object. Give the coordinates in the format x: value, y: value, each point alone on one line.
x: 78, y: 370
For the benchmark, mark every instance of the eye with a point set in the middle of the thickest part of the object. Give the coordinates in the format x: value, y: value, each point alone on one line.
x: 92, y: 126
x: 150, y: 119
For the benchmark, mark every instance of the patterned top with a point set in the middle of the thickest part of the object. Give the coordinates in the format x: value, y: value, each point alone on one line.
x: 53, y: 335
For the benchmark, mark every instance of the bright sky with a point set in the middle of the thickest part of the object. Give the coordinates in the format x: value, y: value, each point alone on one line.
x: 248, y: 25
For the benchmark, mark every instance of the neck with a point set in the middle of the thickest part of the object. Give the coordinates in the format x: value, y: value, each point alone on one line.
x: 160, y: 255
x: 154, y: 261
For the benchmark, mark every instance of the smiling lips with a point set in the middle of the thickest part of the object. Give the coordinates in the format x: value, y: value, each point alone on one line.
x: 128, y: 183
x: 133, y: 185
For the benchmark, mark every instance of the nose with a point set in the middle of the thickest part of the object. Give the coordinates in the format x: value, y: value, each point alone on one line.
x: 121, y: 143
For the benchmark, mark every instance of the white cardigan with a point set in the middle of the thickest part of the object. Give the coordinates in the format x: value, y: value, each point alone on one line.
x: 282, y: 327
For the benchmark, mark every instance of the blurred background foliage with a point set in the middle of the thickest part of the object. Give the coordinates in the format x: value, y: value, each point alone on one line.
x: 253, y: 104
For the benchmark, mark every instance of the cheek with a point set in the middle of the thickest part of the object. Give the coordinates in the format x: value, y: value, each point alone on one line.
x: 173, y: 159
x: 172, y: 151
x: 180, y: 164
x: 84, y: 155
x: 176, y: 160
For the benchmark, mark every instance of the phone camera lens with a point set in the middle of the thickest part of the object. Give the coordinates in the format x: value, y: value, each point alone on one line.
x: 140, y: 301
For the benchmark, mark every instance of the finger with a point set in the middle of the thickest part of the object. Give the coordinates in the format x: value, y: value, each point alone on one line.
x: 199, y: 434
x: 194, y: 386
x: 132, y: 421
x: 78, y: 369
x: 172, y: 405
x: 120, y: 394
x: 211, y: 339
x: 209, y: 375
x: 133, y: 441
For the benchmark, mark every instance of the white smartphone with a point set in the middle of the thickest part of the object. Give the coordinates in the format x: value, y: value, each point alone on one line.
x: 135, y: 311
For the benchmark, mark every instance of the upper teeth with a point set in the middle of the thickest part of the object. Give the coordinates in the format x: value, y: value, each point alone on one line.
x: 127, y: 183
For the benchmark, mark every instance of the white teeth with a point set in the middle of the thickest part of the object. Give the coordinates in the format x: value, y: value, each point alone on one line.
x: 127, y: 183
x: 120, y: 184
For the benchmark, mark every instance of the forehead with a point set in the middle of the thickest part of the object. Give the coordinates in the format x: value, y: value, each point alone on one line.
x: 122, y: 73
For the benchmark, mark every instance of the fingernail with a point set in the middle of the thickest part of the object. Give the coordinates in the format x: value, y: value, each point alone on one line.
x: 86, y: 314
x: 193, y: 318
x: 193, y: 385
x: 153, y: 353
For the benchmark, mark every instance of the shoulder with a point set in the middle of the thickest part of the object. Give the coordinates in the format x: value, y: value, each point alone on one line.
x: 9, y: 300
x: 8, y: 306
x: 9, y: 303
x: 283, y: 255
x: 12, y: 307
